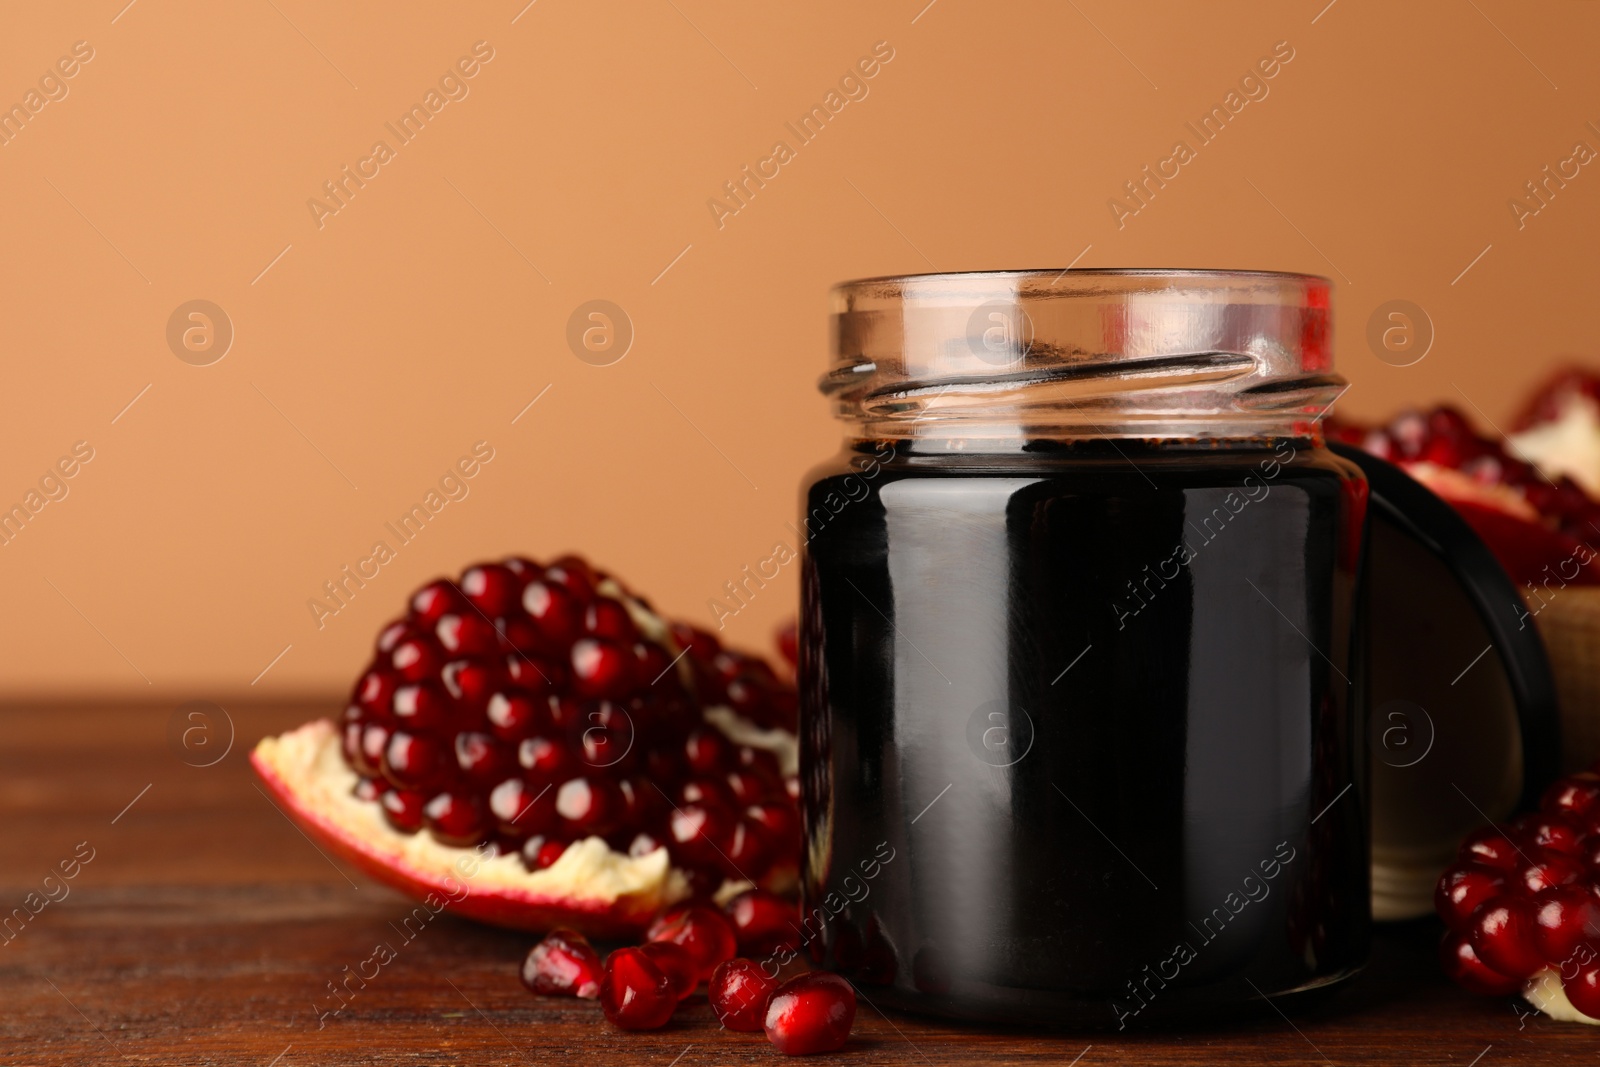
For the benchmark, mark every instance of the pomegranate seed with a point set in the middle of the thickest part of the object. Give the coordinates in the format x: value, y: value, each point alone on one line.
x: 739, y: 992
x: 1503, y: 936
x: 482, y: 759
x: 811, y: 1013
x: 472, y: 682
x: 588, y: 804
x: 520, y: 809
x: 1462, y: 889
x: 544, y: 758
x: 763, y: 922
x: 608, y: 618
x: 1550, y: 831
x: 635, y: 993
x: 467, y: 635
x: 455, y: 819
x: 1548, y: 869
x: 411, y: 761
x: 601, y: 669
x: 702, y: 931
x: 1577, y: 794
x: 514, y: 715
x: 403, y: 809
x: 1583, y: 989
x: 434, y: 600
x: 492, y: 588
x: 416, y: 659
x: 708, y: 751
x: 374, y: 691
x: 675, y: 963
x: 1566, y: 917
x: 421, y: 706
x: 564, y: 964
x: 539, y: 853
x: 696, y: 829
x: 553, y: 610
x: 1491, y: 847
x: 390, y: 636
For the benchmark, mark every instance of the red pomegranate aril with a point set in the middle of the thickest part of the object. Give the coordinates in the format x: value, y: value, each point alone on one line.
x: 416, y: 659
x: 374, y: 692
x: 482, y: 759
x: 1462, y: 889
x: 1491, y: 847
x: 467, y: 635
x: 779, y: 825
x: 455, y: 819
x: 1550, y: 831
x: 747, y: 788
x: 635, y: 993
x: 564, y: 964
x: 1583, y: 989
x: 1577, y: 795
x: 1548, y: 869
x: 403, y: 809
x: 708, y: 751
x: 1503, y: 936
x: 471, y: 683
x: 601, y: 669
x: 412, y: 761
x: 1567, y: 916
x: 696, y: 830
x: 608, y: 618
x: 540, y: 853
x: 492, y: 588
x: 764, y: 923
x: 676, y: 963
x: 589, y: 805
x: 369, y: 789
x: 370, y: 741
x: 419, y: 706
x: 811, y: 1013
x: 519, y: 809
x: 703, y: 933
x: 544, y: 758
x: 390, y: 636
x: 434, y: 600
x: 643, y: 844
x: 745, y: 852
x: 514, y: 715
x: 708, y: 791
x: 554, y: 610
x: 739, y: 991
x: 575, y: 574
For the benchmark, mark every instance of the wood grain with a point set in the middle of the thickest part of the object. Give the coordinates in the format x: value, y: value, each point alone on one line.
x: 206, y: 928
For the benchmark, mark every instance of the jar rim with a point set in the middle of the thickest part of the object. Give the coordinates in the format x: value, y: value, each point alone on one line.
x: 1083, y: 352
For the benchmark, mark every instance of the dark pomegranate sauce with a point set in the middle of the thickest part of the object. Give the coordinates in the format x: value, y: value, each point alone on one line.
x: 1078, y: 740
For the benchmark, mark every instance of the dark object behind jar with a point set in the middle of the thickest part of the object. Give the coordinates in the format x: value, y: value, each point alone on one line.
x: 1078, y: 732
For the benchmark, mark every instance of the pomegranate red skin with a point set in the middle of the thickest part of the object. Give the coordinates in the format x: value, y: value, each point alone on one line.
x: 563, y: 964
x: 517, y: 909
x: 1463, y: 967
x: 811, y: 1013
x: 703, y: 933
x: 635, y: 993
x: 739, y: 992
x: 1503, y: 936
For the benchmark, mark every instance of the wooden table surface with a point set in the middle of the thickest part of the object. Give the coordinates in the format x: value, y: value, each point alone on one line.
x: 206, y: 927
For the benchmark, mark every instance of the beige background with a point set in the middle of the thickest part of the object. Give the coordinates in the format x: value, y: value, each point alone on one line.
x: 431, y: 309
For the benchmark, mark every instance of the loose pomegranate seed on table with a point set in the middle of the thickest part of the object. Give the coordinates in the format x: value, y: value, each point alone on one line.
x: 739, y: 991
x: 811, y: 1013
x: 702, y: 931
x: 635, y: 993
x: 563, y: 964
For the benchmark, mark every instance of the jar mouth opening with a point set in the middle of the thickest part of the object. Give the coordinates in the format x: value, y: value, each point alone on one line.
x: 1097, y: 352
x: 1180, y: 273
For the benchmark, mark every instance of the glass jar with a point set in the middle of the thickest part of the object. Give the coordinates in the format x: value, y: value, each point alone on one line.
x: 1079, y: 736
